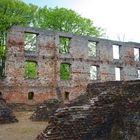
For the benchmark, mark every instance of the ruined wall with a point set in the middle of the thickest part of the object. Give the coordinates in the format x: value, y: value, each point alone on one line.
x: 47, y: 84
x: 113, y: 114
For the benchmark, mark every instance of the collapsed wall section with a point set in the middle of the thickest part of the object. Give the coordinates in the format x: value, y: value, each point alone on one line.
x: 110, y: 112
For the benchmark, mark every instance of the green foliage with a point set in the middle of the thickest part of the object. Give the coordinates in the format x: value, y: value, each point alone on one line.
x: 62, y: 19
x: 30, y: 69
x: 65, y: 20
x: 15, y: 12
x: 2, y: 45
x: 64, y: 71
x: 12, y: 12
x: 2, y: 52
x: 2, y: 60
x: 2, y: 66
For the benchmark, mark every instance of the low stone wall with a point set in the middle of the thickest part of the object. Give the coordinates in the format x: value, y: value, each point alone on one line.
x: 45, y: 110
x: 19, y: 107
x: 111, y: 111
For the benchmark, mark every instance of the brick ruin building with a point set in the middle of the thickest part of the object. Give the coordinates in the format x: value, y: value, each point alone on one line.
x: 86, y: 60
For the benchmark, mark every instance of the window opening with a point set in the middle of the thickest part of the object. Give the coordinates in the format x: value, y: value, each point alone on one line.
x: 138, y: 73
x: 30, y: 42
x: 0, y: 94
x: 93, y: 73
x: 66, y: 96
x: 30, y: 95
x: 136, y: 54
x: 116, y: 51
x: 117, y: 74
x: 92, y: 49
x: 30, y: 69
x: 64, y: 71
x: 64, y: 45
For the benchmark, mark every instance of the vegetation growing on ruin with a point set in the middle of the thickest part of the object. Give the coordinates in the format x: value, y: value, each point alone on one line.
x: 16, y: 12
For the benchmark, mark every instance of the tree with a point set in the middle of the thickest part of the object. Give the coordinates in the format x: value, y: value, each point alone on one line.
x: 61, y: 19
x: 2, y: 60
x: 65, y: 20
x: 16, y: 12
x: 12, y: 12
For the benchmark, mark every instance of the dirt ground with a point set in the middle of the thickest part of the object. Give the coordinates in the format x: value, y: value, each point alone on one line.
x: 25, y: 129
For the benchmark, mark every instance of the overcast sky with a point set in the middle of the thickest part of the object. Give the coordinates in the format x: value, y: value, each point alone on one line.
x: 119, y: 18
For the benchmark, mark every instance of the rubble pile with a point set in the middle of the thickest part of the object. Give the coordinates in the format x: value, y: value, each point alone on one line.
x: 6, y: 114
x: 44, y: 110
x: 111, y: 115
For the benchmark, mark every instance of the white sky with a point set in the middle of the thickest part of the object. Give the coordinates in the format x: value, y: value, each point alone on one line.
x: 119, y: 18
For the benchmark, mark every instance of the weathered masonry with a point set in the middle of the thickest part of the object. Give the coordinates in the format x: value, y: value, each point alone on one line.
x: 42, y: 64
